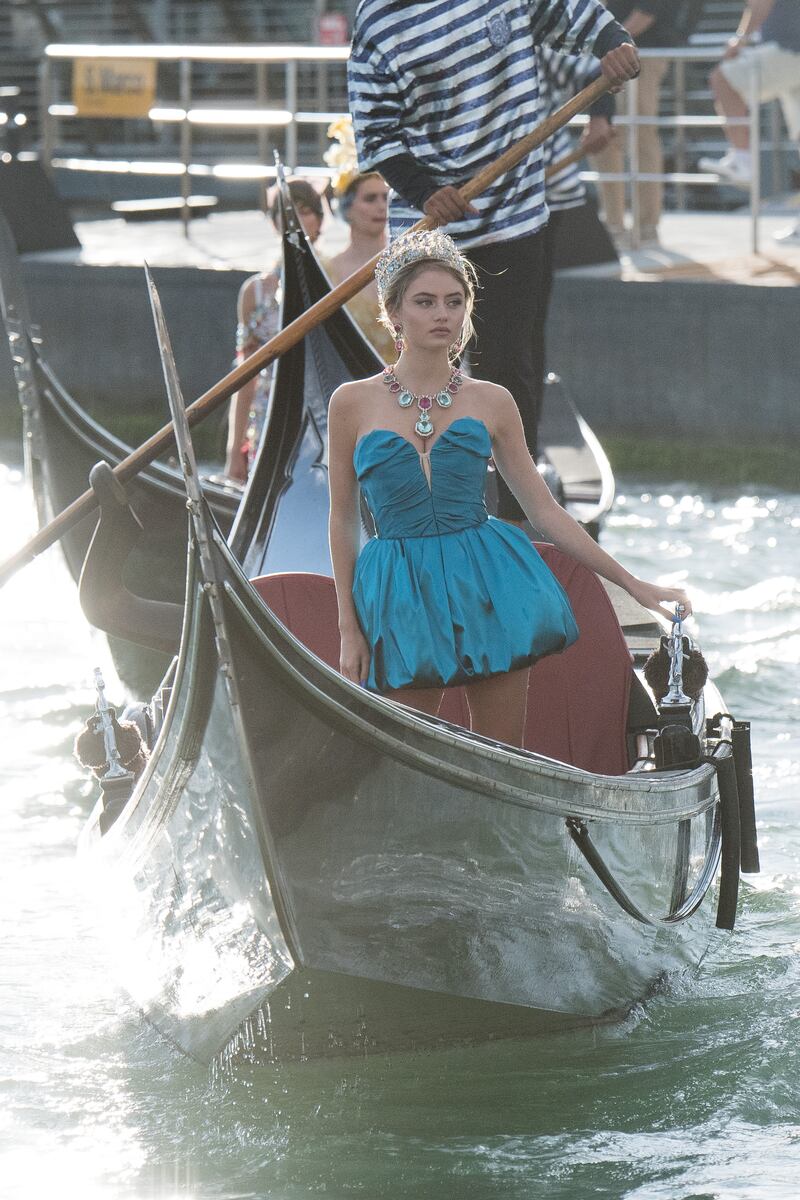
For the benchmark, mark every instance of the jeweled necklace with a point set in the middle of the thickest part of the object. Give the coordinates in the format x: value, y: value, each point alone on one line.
x: 405, y: 398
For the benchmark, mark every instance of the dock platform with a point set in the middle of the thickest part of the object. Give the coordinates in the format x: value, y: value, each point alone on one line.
x: 697, y: 338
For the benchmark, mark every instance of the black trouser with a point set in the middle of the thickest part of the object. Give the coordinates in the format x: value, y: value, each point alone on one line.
x: 550, y: 233
x: 510, y: 313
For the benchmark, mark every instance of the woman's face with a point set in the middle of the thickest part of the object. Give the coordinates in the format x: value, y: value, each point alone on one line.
x: 368, y: 212
x: 432, y: 310
x: 311, y: 222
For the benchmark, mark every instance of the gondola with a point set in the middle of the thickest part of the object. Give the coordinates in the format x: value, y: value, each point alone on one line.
x: 312, y: 870
x: 62, y: 442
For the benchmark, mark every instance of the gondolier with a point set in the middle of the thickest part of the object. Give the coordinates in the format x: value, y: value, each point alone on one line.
x: 437, y: 91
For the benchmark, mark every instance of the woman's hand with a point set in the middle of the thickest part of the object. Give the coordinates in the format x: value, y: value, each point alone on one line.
x: 354, y: 656
x: 654, y: 596
x: 734, y: 47
x: 236, y: 465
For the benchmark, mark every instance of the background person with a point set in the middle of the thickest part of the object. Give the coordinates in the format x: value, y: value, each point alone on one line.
x: 777, y: 60
x: 445, y: 595
x: 437, y: 92
x: 651, y: 23
x: 361, y: 200
x: 258, y: 312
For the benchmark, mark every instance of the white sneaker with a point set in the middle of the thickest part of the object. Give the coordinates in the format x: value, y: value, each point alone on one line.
x: 730, y: 168
x: 790, y: 236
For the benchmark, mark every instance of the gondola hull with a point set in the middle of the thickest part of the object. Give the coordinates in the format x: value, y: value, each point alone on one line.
x: 320, y: 871
x: 299, y: 842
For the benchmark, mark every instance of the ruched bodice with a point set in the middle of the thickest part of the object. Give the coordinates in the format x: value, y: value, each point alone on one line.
x: 446, y: 594
x: 402, y: 498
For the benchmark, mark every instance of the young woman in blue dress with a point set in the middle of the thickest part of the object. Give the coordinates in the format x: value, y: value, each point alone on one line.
x: 444, y: 594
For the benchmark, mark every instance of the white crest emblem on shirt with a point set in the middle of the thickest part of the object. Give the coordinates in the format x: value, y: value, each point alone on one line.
x: 499, y: 30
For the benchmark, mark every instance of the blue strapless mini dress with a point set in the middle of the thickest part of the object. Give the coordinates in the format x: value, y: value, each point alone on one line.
x: 446, y: 594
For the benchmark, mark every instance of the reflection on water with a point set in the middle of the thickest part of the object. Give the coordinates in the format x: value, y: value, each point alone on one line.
x: 695, y: 1095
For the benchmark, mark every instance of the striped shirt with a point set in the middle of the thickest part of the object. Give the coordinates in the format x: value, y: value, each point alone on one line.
x: 561, y: 76
x: 454, y: 83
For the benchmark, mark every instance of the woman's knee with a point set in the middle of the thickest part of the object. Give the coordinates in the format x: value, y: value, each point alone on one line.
x: 497, y: 705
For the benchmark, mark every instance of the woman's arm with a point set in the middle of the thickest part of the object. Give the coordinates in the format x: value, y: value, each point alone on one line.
x: 344, y: 528
x: 241, y: 401
x: 514, y: 461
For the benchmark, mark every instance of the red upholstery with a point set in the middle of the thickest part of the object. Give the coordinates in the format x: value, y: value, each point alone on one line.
x: 577, y: 701
x: 306, y: 604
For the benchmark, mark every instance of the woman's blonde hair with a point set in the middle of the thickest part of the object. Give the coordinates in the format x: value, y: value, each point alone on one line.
x: 398, y: 283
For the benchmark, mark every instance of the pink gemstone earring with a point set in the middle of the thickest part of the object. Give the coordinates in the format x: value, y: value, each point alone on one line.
x: 398, y: 339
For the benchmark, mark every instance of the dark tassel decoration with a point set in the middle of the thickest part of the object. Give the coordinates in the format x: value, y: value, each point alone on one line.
x: 90, y: 749
x: 695, y: 670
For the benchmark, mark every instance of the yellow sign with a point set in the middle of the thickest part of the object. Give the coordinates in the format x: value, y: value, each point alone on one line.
x: 113, y: 87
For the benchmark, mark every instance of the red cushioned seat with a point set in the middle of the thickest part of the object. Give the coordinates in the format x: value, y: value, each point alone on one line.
x: 306, y: 604
x: 577, y: 701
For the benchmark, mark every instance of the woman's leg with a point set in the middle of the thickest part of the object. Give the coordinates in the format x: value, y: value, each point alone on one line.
x: 426, y: 700
x: 497, y: 706
x: 611, y: 161
x: 651, y: 156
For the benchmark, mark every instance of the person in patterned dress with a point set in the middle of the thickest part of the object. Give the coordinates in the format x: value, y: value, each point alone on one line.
x: 258, y: 313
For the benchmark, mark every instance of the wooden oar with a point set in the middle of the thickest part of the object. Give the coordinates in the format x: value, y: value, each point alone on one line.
x: 556, y: 168
x: 293, y: 333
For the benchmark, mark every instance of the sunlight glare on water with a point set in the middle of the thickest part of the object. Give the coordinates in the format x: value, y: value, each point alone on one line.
x: 693, y: 1097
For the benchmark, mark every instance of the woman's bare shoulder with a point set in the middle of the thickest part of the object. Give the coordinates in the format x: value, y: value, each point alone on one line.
x: 495, y: 399
x: 334, y: 264
x: 266, y: 280
x: 349, y: 398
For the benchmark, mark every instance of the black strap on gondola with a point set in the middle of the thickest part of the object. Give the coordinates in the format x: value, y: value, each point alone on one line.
x: 743, y: 760
x: 731, y: 837
x: 724, y: 849
x: 580, y: 835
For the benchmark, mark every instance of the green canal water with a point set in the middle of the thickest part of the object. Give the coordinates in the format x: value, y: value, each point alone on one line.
x: 696, y: 1095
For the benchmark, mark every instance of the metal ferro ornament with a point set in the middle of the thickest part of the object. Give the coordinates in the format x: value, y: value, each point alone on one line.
x: 105, y: 714
x: 675, y: 693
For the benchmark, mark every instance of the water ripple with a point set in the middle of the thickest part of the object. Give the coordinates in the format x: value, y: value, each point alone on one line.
x: 693, y: 1096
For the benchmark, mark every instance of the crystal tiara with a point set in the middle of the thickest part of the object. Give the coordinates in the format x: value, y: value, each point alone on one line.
x: 409, y: 247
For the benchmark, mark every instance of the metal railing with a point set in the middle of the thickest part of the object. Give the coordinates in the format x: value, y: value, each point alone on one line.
x: 187, y: 116
x: 681, y: 122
